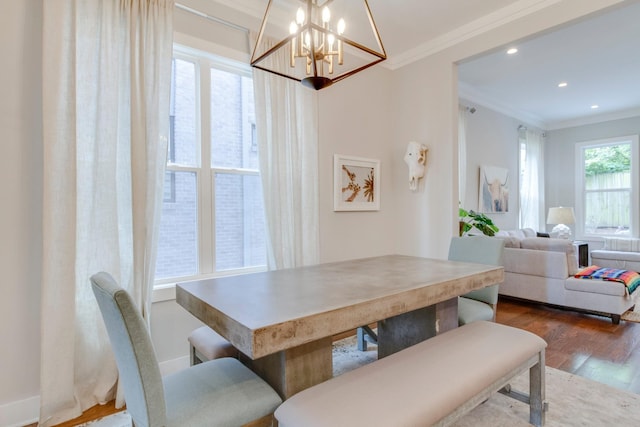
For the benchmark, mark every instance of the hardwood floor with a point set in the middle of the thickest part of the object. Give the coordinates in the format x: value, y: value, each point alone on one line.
x: 586, y: 345
x: 583, y: 344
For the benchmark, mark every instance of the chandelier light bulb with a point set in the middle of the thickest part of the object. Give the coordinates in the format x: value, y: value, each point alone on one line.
x: 326, y: 14
x: 341, y: 26
x: 293, y: 28
x: 300, y: 16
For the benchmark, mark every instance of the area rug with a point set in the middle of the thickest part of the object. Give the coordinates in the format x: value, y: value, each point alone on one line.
x: 573, y: 401
x: 632, y: 315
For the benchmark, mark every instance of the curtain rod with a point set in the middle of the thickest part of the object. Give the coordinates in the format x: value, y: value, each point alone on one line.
x: 212, y: 18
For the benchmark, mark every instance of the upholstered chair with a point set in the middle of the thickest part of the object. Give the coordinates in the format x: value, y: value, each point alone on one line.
x: 221, y: 392
x: 480, y: 304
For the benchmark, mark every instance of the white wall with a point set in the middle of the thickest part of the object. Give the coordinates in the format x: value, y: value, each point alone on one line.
x: 354, y: 120
x: 492, y: 139
x: 373, y: 114
x: 21, y: 208
x: 424, y: 110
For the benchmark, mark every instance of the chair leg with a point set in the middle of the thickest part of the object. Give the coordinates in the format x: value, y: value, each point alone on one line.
x: 362, y: 342
x: 194, y: 360
x: 365, y: 334
x: 537, y: 404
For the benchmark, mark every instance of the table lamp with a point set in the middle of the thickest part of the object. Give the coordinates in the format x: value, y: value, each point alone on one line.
x: 561, y: 216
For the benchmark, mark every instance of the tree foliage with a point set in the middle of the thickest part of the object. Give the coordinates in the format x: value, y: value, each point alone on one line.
x: 607, y: 159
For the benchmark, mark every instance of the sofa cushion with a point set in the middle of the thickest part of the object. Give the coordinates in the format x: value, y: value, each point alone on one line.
x: 554, y: 245
x: 509, y: 241
x: 597, y: 286
x: 549, y: 264
x: 621, y: 244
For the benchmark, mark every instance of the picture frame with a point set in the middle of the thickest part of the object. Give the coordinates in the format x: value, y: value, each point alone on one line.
x: 356, y: 183
x: 493, y: 191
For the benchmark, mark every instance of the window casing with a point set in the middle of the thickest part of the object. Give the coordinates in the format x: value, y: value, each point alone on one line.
x: 212, y: 217
x: 607, y: 188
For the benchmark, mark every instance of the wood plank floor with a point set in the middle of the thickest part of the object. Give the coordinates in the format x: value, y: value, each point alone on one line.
x: 586, y: 345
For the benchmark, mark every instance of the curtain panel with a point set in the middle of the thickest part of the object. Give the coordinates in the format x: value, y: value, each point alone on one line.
x: 287, y: 131
x: 106, y: 83
x: 532, y: 180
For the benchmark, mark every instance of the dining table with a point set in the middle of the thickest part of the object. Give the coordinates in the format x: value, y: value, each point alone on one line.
x: 283, y: 321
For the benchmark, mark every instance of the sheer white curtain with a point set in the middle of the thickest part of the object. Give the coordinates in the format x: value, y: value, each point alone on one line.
x: 287, y: 130
x: 106, y: 81
x: 532, y: 181
x: 462, y: 155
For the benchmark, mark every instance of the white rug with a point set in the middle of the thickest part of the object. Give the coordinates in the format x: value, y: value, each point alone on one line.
x: 573, y: 401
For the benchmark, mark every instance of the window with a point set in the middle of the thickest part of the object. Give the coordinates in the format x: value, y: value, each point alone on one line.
x: 607, y: 187
x: 212, y: 215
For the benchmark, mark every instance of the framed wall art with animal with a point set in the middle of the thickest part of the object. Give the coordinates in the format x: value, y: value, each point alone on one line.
x: 493, y: 195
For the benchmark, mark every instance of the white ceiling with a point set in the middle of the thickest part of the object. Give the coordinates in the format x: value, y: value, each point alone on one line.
x: 599, y: 57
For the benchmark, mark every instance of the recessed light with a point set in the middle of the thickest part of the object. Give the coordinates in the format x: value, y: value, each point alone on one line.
x: 562, y: 84
x: 512, y: 51
x: 595, y: 106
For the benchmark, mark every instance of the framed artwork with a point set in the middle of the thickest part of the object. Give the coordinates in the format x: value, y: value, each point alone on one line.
x: 356, y: 183
x: 493, y: 194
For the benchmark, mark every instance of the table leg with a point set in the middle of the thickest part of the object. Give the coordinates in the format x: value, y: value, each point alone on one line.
x: 293, y: 370
x: 402, y: 331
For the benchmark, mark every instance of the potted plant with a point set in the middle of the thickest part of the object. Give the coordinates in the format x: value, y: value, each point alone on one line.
x: 471, y: 219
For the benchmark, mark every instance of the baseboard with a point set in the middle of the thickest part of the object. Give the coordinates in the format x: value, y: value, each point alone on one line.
x: 27, y: 411
x: 20, y: 413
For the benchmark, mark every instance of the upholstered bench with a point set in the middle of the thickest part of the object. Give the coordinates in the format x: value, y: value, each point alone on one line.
x: 206, y: 344
x: 618, y: 252
x: 434, y: 382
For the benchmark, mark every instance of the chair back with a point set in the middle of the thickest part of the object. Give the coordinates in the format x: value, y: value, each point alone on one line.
x: 480, y: 250
x: 133, y: 350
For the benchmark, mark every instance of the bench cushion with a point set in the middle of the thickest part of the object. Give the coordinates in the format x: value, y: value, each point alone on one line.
x: 419, y: 385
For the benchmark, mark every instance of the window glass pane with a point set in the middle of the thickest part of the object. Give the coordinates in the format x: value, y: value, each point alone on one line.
x: 240, y: 234
x: 608, y: 212
x: 607, y: 167
x: 607, y: 186
x: 182, y: 142
x: 178, y: 240
x: 233, y: 142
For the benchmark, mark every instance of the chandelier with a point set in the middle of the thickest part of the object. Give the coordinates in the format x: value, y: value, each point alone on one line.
x: 320, y: 41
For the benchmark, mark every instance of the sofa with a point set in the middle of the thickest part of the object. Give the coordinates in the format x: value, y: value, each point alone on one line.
x: 542, y: 269
x: 620, y: 253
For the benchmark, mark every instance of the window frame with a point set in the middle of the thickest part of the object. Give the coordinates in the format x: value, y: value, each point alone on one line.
x: 205, y: 173
x: 580, y: 191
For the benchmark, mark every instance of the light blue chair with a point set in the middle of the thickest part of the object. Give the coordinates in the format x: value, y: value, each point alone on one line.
x: 221, y: 392
x: 480, y: 304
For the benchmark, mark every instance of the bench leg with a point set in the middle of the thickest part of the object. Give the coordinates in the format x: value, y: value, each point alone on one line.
x: 615, y: 319
x: 537, y: 387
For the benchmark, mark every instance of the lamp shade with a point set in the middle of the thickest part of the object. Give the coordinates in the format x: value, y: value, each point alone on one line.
x: 317, y: 42
x: 561, y: 215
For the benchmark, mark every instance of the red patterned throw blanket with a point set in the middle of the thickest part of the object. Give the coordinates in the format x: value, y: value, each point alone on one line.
x: 631, y: 279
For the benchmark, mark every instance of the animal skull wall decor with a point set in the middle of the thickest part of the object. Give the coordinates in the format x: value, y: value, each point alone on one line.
x: 416, y: 159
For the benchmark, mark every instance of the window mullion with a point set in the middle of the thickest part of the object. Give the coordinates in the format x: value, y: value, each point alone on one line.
x: 205, y: 183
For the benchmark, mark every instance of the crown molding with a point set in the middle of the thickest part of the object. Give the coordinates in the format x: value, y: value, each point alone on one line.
x: 592, y: 119
x: 470, y: 94
x: 468, y: 31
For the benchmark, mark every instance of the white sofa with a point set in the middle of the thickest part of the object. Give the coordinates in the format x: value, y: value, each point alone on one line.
x: 542, y: 269
x: 621, y: 253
